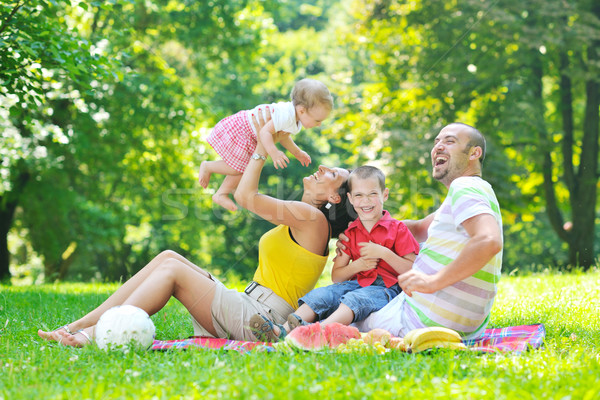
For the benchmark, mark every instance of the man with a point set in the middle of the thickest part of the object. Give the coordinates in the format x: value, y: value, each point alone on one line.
x: 453, y: 280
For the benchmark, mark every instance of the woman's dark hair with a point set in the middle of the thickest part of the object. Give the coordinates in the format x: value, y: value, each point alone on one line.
x: 341, y: 214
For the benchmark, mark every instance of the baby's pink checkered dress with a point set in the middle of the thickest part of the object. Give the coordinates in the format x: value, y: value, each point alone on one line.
x: 234, y: 140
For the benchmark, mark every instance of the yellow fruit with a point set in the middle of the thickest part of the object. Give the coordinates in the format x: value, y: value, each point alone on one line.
x: 430, y: 344
x: 416, y: 337
x: 408, y: 338
x: 377, y: 335
x: 396, y: 343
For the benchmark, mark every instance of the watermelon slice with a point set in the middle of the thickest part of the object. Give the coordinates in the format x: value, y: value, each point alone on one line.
x: 307, y: 337
x: 337, y: 334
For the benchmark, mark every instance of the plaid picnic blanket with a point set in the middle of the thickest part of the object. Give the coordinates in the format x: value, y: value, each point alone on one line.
x: 513, y: 338
x: 210, y: 343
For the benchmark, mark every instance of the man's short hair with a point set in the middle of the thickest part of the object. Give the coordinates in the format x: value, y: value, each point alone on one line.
x: 366, y: 172
x: 475, y: 139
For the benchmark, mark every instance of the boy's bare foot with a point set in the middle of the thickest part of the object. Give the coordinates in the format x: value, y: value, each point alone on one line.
x: 205, y: 174
x: 224, y: 201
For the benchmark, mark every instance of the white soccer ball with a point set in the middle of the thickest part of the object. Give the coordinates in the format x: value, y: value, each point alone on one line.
x: 124, y: 327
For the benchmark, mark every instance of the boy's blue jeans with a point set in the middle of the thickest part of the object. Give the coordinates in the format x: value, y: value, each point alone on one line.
x: 361, y: 300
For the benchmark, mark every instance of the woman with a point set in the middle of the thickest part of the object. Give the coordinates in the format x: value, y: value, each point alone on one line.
x: 291, y: 259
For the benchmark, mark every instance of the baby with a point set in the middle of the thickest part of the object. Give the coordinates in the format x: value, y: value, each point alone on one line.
x: 234, y: 138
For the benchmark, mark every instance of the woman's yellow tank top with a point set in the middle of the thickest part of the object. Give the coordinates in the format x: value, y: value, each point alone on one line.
x: 285, y: 267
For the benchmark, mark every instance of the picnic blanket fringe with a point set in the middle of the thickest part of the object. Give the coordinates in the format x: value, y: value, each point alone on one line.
x: 510, y: 339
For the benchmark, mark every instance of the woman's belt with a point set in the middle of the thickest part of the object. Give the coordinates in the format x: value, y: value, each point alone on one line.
x: 266, y: 296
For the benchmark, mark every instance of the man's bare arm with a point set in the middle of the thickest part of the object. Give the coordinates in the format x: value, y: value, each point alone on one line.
x: 485, y: 243
x: 419, y: 228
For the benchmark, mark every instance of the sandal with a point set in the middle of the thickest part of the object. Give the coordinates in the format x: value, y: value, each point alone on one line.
x: 65, y: 327
x: 294, y: 321
x: 84, y: 333
x: 262, y: 328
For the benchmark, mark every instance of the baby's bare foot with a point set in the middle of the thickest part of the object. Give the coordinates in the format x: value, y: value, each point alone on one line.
x: 205, y: 174
x: 224, y: 201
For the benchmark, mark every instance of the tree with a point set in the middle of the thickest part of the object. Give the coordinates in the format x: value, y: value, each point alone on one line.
x: 37, y: 50
x: 104, y: 150
x: 548, y: 53
x: 526, y: 75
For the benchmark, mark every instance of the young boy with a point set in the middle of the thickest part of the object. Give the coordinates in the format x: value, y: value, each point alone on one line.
x: 366, y: 274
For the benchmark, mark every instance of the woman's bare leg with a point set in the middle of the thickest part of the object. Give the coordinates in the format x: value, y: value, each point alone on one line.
x: 193, y: 288
x: 120, y: 295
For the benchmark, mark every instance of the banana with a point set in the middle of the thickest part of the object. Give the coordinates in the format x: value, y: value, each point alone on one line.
x: 430, y: 344
x: 409, y: 337
x: 416, y: 337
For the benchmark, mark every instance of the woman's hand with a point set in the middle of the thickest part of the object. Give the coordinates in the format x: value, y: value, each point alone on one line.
x: 340, y: 245
x: 259, y: 122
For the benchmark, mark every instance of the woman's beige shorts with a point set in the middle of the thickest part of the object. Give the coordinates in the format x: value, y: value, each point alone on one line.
x: 231, y: 310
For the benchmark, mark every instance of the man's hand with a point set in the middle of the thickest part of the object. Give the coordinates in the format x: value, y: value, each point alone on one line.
x: 414, y: 281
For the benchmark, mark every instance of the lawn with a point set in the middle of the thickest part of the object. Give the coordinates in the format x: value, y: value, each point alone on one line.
x: 568, y: 367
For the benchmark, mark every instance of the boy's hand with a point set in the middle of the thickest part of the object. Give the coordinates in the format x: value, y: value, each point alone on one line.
x: 371, y: 250
x: 367, y: 264
x: 304, y: 158
x: 280, y: 160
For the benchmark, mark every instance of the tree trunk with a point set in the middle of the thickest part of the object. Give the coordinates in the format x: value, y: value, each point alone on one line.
x: 581, y: 184
x: 8, y: 204
x: 57, y: 271
x: 7, y: 213
x: 583, y: 202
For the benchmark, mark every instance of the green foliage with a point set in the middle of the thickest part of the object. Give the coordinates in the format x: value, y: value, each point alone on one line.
x: 114, y: 148
x: 566, y: 367
x: 105, y: 108
x: 414, y: 67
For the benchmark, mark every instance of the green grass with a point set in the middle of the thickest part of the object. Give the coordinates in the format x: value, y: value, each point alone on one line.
x: 567, y: 368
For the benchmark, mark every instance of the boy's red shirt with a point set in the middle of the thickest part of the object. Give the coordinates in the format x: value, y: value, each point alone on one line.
x: 387, y: 232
